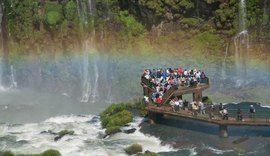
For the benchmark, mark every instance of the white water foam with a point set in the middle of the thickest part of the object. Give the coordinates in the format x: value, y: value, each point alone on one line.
x: 148, y: 142
x: 217, y: 151
x: 87, y: 139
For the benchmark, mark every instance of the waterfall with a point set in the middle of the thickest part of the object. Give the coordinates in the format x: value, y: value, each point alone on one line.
x: 1, y: 45
x: 242, y: 15
x: 85, y: 9
x: 224, y: 65
x: 13, y: 83
x: 241, y: 40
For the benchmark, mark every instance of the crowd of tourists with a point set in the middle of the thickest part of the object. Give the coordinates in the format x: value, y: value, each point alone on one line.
x: 195, y: 107
x: 224, y: 113
x: 161, y: 80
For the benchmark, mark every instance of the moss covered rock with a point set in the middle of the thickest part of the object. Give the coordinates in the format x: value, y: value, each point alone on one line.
x: 63, y: 133
x: 115, y: 117
x: 51, y: 152
x: 112, y: 130
x: 133, y: 149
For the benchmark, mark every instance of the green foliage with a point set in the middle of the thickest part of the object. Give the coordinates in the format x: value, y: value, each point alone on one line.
x: 133, y: 149
x: 70, y: 10
x: 147, y: 153
x: 160, y: 7
x: 207, y: 100
x: 53, y: 18
x: 119, y: 119
x: 50, y: 152
x: 211, y: 41
x: 115, y: 116
x: 62, y: 134
x: 225, y: 16
x: 52, y: 6
x: 65, y: 132
x: 130, y: 26
x: 239, y: 150
x: 156, y: 5
x: 192, y: 22
x: 253, y: 12
x: 112, y: 130
x: 20, y: 18
x: 7, y: 153
x: 53, y: 14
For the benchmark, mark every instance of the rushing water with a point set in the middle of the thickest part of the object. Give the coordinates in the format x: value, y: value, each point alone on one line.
x: 171, y: 136
x: 88, y: 138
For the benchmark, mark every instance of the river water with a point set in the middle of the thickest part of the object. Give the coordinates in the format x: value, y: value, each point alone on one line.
x: 48, y: 97
x: 170, y: 136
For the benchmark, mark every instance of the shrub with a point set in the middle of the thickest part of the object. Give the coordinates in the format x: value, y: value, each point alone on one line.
x: 207, y: 100
x: 131, y: 27
x: 115, y: 116
x: 192, y: 22
x: 51, y: 152
x: 120, y: 119
x: 7, y: 153
x: 112, y: 130
x: 53, y: 18
x: 70, y: 10
x: 133, y: 149
x: 53, y: 13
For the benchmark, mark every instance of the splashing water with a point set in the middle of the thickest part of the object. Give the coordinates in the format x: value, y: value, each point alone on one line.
x: 13, y: 82
x: 88, y: 139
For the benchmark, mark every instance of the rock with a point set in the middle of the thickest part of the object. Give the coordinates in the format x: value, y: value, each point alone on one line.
x: 147, y: 153
x: 240, y: 140
x: 95, y: 119
x: 63, y: 133
x: 133, y: 149
x: 48, y: 132
x: 150, y: 121
x: 129, y: 131
x: 57, y: 138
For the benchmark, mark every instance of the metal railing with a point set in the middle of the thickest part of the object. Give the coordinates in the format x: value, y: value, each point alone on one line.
x: 261, y: 115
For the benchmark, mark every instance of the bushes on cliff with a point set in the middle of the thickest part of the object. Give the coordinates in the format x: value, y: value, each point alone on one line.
x: 53, y: 14
x: 70, y: 10
x: 130, y: 26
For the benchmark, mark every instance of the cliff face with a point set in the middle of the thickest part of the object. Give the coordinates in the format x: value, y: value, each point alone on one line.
x: 51, y: 26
